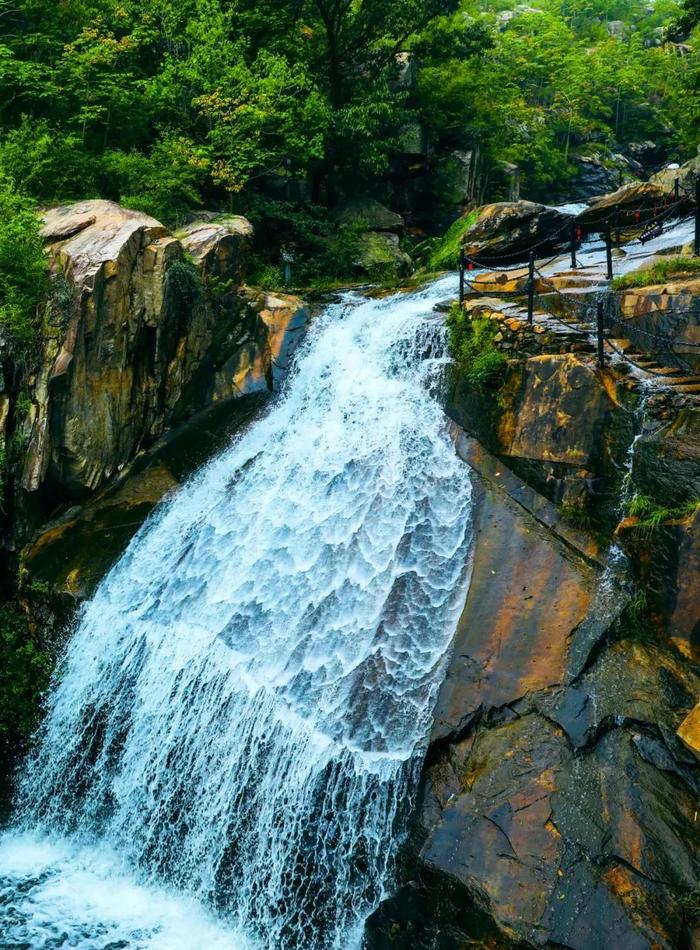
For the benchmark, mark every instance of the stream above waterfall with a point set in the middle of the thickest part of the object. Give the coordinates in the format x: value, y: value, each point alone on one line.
x: 234, y: 734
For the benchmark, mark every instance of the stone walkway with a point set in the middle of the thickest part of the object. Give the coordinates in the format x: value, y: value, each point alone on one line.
x: 566, y: 299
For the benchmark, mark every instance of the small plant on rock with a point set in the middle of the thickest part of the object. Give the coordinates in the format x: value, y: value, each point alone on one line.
x: 474, y: 349
x: 651, y: 516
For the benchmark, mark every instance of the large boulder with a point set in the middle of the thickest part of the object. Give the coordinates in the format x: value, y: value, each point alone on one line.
x: 509, y: 230
x: 627, y: 202
x: 687, y: 175
x: 125, y: 359
x: 373, y: 215
x: 219, y: 247
x: 379, y: 247
x: 599, y: 171
x: 380, y: 253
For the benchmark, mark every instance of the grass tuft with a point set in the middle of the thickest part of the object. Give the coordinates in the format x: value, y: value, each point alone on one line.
x: 658, y: 273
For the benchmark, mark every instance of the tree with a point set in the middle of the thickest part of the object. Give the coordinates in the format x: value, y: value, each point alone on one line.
x: 23, y: 267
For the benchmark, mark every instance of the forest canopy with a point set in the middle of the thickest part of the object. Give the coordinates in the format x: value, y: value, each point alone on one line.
x: 283, y: 108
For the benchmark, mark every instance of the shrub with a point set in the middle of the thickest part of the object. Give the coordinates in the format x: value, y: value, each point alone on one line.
x: 166, y: 183
x: 24, y: 673
x: 23, y: 269
x: 182, y: 290
x: 473, y: 347
x: 47, y: 163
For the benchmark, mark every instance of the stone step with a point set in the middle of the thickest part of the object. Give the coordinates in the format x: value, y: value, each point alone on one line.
x: 668, y: 371
x: 683, y: 380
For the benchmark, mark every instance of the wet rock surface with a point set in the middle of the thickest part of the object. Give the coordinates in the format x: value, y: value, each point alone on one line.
x: 563, y: 425
x: 75, y: 551
x: 558, y: 802
x: 667, y: 460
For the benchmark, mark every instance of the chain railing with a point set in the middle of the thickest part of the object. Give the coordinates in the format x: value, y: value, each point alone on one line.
x: 650, y: 223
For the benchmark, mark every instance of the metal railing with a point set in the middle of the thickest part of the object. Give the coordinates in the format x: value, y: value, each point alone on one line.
x: 649, y: 222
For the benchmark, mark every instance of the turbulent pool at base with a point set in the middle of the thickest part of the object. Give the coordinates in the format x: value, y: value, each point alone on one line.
x: 234, y: 736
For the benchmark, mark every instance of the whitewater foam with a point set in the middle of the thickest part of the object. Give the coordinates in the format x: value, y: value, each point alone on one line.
x: 241, y: 713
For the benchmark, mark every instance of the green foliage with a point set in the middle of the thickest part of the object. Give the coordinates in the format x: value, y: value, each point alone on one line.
x: 25, y: 669
x: 634, y: 622
x: 577, y: 516
x: 323, y: 251
x: 165, y: 183
x: 658, y: 273
x: 651, y: 516
x: 689, y: 903
x: 23, y: 269
x: 265, y: 276
x: 47, y: 163
x: 445, y: 254
x: 551, y: 83
x: 182, y: 290
x: 171, y: 105
x: 473, y: 348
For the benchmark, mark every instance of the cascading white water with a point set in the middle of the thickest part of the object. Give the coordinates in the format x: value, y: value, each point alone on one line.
x: 242, y: 710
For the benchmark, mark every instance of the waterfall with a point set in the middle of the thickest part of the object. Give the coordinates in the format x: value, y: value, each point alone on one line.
x: 234, y: 735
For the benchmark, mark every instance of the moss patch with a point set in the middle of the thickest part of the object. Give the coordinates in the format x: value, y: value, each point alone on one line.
x: 24, y: 673
x: 658, y: 273
x: 445, y: 255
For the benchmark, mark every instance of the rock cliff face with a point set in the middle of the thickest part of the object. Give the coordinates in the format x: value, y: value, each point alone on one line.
x: 558, y: 803
x: 158, y: 327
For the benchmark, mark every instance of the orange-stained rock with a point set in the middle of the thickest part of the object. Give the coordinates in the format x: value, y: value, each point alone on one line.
x: 73, y: 553
x: 285, y: 317
x: 558, y: 412
x: 663, y: 312
x: 141, y: 346
x: 530, y: 593
x: 683, y: 624
x: 689, y: 731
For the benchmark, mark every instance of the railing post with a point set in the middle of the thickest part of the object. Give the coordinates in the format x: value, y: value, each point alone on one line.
x: 618, y: 234
x: 531, y: 288
x: 697, y: 216
x: 608, y: 251
x: 573, y: 245
x: 461, y: 276
x: 599, y: 328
